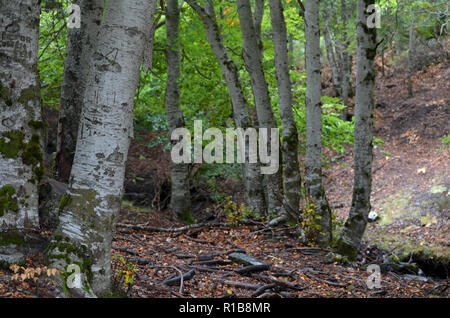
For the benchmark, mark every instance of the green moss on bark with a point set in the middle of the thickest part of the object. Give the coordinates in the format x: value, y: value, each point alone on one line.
x: 11, y: 237
x: 346, y: 249
x: 11, y: 144
x: 65, y: 200
x: 8, y: 202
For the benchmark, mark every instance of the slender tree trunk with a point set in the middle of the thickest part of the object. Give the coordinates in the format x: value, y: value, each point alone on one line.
x: 181, y: 199
x: 80, y: 48
x: 289, y: 145
x: 291, y: 50
x: 254, y: 191
x: 258, y: 17
x: 266, y: 119
x: 331, y: 55
x: 346, y: 67
x: 89, y: 209
x: 314, y: 185
x: 411, y: 54
x: 21, y: 128
x: 355, y: 225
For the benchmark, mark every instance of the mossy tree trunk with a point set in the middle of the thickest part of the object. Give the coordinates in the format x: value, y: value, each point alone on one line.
x: 289, y: 145
x: 180, y: 202
x: 21, y: 128
x: 253, y: 64
x: 89, y: 209
x: 350, y: 238
x: 314, y: 185
x: 254, y: 191
x: 80, y: 48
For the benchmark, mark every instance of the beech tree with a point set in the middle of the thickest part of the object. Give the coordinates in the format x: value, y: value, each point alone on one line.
x: 21, y: 128
x: 314, y: 184
x: 355, y: 225
x: 253, y: 64
x: 180, y: 195
x: 289, y: 145
x: 80, y: 48
x: 89, y: 209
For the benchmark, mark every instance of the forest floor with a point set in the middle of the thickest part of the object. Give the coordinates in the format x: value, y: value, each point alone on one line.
x: 410, y: 194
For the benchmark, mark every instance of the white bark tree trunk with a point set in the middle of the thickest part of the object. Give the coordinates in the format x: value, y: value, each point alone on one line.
x: 355, y: 225
x: 266, y: 119
x: 89, y: 209
x: 80, y: 48
x: 21, y: 127
x: 289, y: 144
x: 314, y: 185
x: 254, y: 191
x: 180, y: 197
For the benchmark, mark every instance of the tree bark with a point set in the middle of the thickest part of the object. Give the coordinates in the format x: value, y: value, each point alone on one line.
x: 266, y: 119
x: 411, y: 54
x: 180, y: 202
x: 346, y: 57
x: 289, y: 144
x: 80, y: 48
x: 254, y: 191
x: 89, y: 209
x: 331, y: 55
x: 258, y: 17
x: 355, y: 225
x: 314, y: 185
x: 21, y: 128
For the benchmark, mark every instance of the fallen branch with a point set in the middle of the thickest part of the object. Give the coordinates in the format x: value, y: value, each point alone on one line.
x: 252, y: 268
x: 174, y: 230
x: 181, y: 278
x: 238, y: 284
x: 262, y: 289
x: 280, y: 283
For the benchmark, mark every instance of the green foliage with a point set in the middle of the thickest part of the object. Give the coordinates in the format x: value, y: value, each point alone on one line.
x: 446, y: 142
x: 335, y: 131
x: 52, y: 50
x: 310, y: 227
x: 235, y: 214
x: 125, y: 272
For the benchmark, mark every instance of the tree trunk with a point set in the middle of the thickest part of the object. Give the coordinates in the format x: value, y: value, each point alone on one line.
x: 254, y: 191
x: 346, y: 56
x: 355, y: 225
x: 258, y: 17
x: 266, y: 119
x: 80, y: 48
x: 289, y: 144
x: 314, y: 185
x: 331, y: 55
x: 89, y: 209
x: 411, y: 54
x: 180, y: 202
x: 21, y: 128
